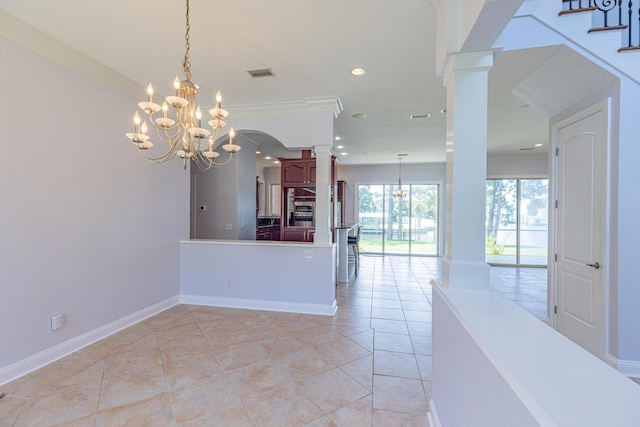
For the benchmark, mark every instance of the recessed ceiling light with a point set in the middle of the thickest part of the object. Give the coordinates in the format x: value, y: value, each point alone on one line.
x: 444, y: 110
x: 267, y: 157
x: 276, y: 162
x: 343, y: 154
x: 358, y: 71
x: 359, y: 116
x: 339, y: 147
x: 258, y: 152
x: 338, y: 138
x: 538, y: 144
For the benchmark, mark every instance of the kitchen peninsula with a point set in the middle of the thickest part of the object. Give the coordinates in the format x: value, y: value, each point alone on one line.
x: 259, y: 275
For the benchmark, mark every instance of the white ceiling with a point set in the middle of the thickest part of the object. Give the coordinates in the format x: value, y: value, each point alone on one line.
x: 310, y: 46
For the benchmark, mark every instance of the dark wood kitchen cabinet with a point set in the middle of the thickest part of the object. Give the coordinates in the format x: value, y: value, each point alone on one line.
x: 297, y: 234
x: 268, y: 232
x: 298, y: 172
x: 298, y: 188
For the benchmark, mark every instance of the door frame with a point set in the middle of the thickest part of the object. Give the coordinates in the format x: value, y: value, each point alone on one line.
x: 519, y: 178
x: 440, y: 206
x: 602, y: 105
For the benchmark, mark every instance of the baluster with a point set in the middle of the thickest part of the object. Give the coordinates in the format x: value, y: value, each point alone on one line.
x: 605, y: 6
x: 620, y: 12
x: 630, y: 22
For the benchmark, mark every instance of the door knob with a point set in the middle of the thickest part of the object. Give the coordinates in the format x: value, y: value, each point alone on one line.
x: 594, y: 265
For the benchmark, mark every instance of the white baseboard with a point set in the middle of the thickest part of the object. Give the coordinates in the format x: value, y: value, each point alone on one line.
x: 251, y: 304
x: 630, y: 368
x: 432, y: 415
x: 29, y: 364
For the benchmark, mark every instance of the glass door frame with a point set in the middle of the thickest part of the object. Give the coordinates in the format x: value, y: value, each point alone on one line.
x: 439, y: 214
x: 518, y: 208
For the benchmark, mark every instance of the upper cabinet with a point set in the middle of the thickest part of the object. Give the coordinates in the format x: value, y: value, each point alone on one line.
x: 296, y: 172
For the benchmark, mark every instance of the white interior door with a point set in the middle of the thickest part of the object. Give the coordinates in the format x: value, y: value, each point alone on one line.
x: 580, y: 234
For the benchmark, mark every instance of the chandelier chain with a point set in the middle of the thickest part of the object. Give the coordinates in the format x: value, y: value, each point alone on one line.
x: 186, y: 65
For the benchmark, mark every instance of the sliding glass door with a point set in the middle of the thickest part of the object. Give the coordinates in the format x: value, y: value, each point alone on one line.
x: 516, y: 222
x: 405, y: 225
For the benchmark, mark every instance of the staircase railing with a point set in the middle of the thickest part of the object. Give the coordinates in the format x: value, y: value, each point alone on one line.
x: 610, y: 15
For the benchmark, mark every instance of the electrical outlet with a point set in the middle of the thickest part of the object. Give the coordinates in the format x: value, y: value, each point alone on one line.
x: 229, y: 227
x: 308, y: 254
x: 57, y: 321
x: 228, y: 282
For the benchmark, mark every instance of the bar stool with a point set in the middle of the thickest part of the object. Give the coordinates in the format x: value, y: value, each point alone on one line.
x: 353, y: 242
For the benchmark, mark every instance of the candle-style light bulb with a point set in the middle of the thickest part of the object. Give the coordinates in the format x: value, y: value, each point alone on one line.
x: 232, y: 134
x: 210, y: 143
x: 176, y: 85
x: 144, y: 128
x: 199, y: 116
x: 218, y: 97
x: 136, y: 122
x: 150, y: 92
x: 165, y: 108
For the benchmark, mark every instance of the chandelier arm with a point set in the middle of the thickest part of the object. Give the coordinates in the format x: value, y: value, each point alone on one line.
x: 214, y: 163
x: 157, y: 160
x: 202, y: 164
x: 157, y: 126
x: 164, y: 158
x: 169, y: 137
x: 225, y: 163
x: 151, y: 160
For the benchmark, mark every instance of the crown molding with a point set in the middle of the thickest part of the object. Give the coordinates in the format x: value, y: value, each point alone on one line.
x: 30, y: 37
x: 331, y: 103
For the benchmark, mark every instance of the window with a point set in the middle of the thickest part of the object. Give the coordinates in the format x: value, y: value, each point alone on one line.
x: 516, y: 221
x: 405, y: 226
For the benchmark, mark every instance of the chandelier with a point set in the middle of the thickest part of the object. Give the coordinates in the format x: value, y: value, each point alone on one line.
x: 399, y: 192
x: 179, y: 122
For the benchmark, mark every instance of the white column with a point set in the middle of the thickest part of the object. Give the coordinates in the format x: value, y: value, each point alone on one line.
x: 465, y: 78
x: 323, y: 195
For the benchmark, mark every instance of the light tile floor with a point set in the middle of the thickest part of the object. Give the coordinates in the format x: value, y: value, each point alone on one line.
x: 369, y: 365
x: 527, y: 287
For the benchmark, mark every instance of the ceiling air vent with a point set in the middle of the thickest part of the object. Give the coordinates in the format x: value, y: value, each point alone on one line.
x: 263, y: 72
x: 420, y: 116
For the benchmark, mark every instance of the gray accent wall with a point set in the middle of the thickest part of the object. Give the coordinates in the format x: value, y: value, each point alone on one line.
x: 88, y: 228
x: 228, y: 195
